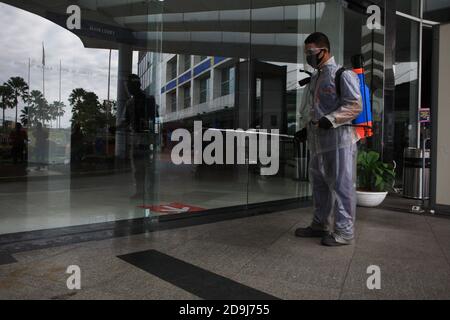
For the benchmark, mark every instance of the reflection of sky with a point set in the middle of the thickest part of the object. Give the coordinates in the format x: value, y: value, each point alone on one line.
x: 21, y: 38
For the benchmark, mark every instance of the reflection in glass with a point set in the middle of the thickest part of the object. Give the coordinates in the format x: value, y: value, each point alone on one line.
x: 105, y: 144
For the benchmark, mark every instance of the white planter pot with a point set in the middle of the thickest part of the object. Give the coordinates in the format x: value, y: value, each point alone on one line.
x: 370, y: 199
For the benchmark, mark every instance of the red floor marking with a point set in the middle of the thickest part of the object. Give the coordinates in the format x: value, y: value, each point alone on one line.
x: 173, y: 208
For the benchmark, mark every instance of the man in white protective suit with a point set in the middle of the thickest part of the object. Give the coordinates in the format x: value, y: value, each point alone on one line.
x: 326, y: 122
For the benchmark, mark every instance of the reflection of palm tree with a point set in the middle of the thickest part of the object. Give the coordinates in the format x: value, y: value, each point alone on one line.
x: 20, y: 90
x: 57, y: 111
x: 61, y: 112
x: 39, y: 108
x: 77, y: 96
x: 24, y: 116
x: 85, y: 110
x: 6, y: 94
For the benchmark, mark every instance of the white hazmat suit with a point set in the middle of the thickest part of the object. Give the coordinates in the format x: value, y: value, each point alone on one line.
x: 333, y: 151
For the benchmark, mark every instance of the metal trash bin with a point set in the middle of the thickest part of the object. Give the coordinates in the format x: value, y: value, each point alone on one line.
x: 416, y: 184
x: 302, y: 162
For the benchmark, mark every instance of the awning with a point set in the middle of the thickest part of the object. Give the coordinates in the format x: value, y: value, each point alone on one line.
x: 232, y: 28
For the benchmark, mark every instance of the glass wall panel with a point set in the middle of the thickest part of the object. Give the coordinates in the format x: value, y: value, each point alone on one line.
x: 198, y: 163
x: 278, y: 33
x: 61, y: 157
x: 163, y: 107
x: 277, y: 106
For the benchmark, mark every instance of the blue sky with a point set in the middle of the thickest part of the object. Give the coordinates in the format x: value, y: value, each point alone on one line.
x: 21, y: 38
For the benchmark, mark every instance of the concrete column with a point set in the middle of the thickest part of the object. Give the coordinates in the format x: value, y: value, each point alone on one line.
x: 125, y: 69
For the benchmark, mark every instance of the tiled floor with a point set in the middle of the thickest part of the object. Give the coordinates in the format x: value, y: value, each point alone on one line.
x: 261, y: 252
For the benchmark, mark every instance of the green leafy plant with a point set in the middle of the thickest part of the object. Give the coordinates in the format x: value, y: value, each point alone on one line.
x: 373, y: 174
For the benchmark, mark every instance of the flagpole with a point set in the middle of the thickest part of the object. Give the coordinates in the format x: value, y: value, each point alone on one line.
x: 60, y: 80
x: 109, y: 74
x: 29, y: 73
x: 60, y: 85
x: 108, y: 105
x: 43, y: 69
x: 29, y: 90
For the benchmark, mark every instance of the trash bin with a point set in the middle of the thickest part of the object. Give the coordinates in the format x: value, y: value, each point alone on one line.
x: 416, y: 184
x: 301, y: 162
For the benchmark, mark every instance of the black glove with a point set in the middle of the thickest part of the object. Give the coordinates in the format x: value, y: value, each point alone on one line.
x: 301, y: 136
x: 324, y: 123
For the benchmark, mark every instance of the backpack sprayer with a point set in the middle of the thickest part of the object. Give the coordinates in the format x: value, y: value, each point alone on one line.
x: 364, y: 122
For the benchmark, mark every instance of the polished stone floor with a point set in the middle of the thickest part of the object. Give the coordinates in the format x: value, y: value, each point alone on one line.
x: 55, y: 201
x: 257, y: 253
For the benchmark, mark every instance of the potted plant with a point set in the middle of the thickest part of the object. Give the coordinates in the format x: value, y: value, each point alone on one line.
x: 375, y: 179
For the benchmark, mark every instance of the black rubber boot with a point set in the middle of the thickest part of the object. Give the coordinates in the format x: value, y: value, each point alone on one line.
x: 310, y: 233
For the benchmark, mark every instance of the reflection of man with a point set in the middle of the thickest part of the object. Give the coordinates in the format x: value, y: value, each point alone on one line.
x: 139, y: 118
x: 41, y: 148
x: 77, y: 145
x: 326, y: 118
x: 18, y: 138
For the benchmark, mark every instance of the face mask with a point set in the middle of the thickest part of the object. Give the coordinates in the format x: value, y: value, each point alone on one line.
x: 314, y: 60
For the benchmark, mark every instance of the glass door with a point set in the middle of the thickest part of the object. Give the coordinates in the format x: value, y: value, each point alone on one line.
x: 406, y: 86
x: 196, y: 162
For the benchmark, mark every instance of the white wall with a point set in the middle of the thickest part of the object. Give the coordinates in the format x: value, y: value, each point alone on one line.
x: 443, y: 127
